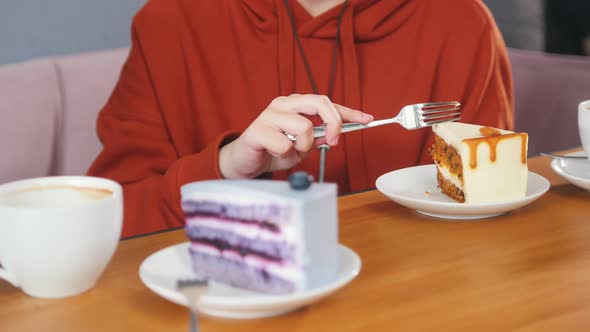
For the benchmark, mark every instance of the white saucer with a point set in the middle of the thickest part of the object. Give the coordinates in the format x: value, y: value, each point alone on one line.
x: 416, y: 188
x: 577, y: 172
x: 160, y: 271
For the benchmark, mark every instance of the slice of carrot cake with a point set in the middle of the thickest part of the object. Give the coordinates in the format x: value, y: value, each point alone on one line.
x: 478, y: 164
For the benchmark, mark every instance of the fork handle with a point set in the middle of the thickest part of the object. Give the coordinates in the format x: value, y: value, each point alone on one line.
x: 320, y: 131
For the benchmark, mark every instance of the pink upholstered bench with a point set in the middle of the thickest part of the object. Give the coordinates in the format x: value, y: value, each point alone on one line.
x: 548, y: 89
x: 48, y: 107
x: 48, y: 110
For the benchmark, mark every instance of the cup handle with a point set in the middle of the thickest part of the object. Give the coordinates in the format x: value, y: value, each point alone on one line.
x: 8, y: 276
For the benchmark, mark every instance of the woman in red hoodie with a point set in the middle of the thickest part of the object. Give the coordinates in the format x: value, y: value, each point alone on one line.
x: 210, y: 87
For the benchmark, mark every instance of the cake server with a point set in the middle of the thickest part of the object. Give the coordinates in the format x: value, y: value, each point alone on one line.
x: 192, y: 289
x: 410, y: 117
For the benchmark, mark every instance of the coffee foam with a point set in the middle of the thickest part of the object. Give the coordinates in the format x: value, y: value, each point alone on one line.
x: 92, y: 193
x: 53, y: 196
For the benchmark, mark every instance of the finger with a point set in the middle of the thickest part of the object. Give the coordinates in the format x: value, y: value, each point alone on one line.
x: 275, y: 142
x: 314, y: 105
x: 288, y: 162
x: 293, y: 124
x: 350, y: 115
x: 319, y: 141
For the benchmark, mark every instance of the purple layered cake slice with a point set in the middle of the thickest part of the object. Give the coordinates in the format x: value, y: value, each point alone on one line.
x: 262, y: 235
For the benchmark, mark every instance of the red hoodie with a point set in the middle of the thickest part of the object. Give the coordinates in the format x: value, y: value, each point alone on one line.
x: 199, y: 70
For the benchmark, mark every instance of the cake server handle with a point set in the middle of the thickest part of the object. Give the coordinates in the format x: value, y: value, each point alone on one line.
x: 192, y: 289
x: 193, y: 326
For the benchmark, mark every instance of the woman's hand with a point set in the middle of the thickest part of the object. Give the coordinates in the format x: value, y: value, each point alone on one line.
x: 264, y: 147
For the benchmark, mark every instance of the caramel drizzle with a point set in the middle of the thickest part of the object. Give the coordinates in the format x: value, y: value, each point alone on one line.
x: 492, y: 141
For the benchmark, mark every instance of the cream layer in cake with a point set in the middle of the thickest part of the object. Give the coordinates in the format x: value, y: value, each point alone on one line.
x: 483, y: 164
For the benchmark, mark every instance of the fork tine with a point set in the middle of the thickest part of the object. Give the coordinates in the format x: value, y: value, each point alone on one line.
x: 440, y: 116
x: 441, y: 104
x: 437, y: 110
x: 431, y: 123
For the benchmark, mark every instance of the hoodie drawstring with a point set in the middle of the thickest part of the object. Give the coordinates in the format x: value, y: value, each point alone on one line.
x: 286, y: 48
x: 355, y: 155
x: 353, y: 141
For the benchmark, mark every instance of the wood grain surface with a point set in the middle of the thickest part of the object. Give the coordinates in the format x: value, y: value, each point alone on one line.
x: 528, y: 270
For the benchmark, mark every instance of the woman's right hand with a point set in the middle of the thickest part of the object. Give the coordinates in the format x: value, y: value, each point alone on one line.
x: 264, y: 147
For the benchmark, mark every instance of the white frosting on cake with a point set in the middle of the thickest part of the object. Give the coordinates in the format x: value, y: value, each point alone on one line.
x: 453, y: 133
x: 484, y: 179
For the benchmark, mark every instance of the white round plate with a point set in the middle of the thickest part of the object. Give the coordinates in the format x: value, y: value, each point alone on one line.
x: 416, y: 188
x: 577, y: 172
x: 160, y: 271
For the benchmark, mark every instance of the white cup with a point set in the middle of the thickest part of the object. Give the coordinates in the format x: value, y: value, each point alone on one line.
x: 584, y: 125
x: 57, y: 234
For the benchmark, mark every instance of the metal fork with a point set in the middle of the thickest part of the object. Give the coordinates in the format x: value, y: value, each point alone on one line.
x: 584, y: 157
x: 192, y: 289
x: 410, y: 117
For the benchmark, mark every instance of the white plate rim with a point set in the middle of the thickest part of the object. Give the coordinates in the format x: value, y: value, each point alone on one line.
x: 263, y: 299
x: 573, y: 179
x: 464, y: 208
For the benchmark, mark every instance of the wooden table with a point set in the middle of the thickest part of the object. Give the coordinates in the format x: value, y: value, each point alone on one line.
x: 525, y: 271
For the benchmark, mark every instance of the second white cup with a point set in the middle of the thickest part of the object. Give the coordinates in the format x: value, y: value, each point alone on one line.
x: 584, y: 125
